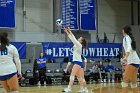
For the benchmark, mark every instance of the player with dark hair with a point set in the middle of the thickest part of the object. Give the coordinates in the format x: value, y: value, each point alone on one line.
x: 10, y: 65
x: 131, y: 59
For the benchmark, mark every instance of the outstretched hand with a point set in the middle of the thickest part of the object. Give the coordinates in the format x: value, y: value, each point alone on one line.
x: 67, y: 30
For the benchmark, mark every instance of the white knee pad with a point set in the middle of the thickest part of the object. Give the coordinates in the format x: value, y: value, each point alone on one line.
x: 84, y: 80
x: 124, y: 84
x: 79, y: 79
x: 72, y: 77
x: 14, y: 92
x: 133, y: 85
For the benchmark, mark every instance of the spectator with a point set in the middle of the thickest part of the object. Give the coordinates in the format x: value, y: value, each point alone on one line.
x: 65, y: 60
x: 101, y: 71
x: 51, y: 60
x: 41, y: 63
x: 95, y: 73
x: 110, y: 72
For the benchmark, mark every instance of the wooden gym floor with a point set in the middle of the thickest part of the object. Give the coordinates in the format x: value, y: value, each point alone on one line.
x: 93, y: 88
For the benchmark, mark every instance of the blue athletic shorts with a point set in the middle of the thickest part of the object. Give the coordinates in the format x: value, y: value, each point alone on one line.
x: 136, y: 65
x: 79, y: 63
x: 6, y: 77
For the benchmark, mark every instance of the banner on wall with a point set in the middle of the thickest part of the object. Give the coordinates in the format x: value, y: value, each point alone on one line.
x: 78, y: 14
x: 7, y: 13
x: 95, y: 50
x: 87, y: 15
x: 21, y: 47
x: 69, y: 14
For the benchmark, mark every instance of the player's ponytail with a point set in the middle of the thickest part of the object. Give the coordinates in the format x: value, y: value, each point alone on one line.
x: 127, y: 29
x: 3, y: 41
x: 84, y: 43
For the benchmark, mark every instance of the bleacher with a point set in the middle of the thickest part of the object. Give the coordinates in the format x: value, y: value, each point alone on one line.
x: 55, y: 74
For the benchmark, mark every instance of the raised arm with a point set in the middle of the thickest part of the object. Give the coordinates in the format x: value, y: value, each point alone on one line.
x: 72, y: 37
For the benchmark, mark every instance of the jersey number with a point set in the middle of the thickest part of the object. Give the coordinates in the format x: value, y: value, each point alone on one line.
x: 4, y: 52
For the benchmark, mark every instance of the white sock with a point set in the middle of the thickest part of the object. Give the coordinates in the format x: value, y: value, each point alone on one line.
x: 81, y: 87
x: 69, y: 86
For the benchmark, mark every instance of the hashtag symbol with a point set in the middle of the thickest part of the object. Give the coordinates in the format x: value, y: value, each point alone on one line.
x: 48, y: 51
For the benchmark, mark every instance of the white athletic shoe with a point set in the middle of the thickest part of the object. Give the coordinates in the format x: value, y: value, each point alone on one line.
x: 67, y: 90
x: 108, y: 80
x: 44, y: 83
x: 101, y: 81
x: 38, y: 83
x: 104, y: 80
x: 113, y: 81
x: 82, y: 90
x: 86, y: 90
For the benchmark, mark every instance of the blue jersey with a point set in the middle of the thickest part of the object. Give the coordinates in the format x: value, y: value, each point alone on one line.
x: 110, y: 68
x: 101, y: 68
x: 43, y: 65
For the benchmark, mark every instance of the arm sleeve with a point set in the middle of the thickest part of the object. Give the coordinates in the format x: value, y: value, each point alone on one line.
x: 107, y: 69
x: 128, y: 44
x: 74, y: 40
x: 17, y: 60
x: 113, y: 67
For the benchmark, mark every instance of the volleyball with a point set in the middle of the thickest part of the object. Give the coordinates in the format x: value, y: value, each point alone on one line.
x: 59, y: 22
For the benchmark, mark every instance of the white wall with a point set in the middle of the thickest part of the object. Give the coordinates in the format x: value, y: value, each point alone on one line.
x: 39, y: 16
x: 112, y: 15
x: 19, y: 16
x: 37, y: 24
x: 35, y: 37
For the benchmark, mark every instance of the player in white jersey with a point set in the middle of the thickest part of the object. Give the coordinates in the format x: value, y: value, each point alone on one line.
x: 77, y: 60
x: 132, y: 60
x: 10, y: 65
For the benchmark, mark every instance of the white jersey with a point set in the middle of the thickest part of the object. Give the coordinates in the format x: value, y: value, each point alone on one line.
x: 77, y: 48
x: 133, y: 57
x: 7, y: 59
